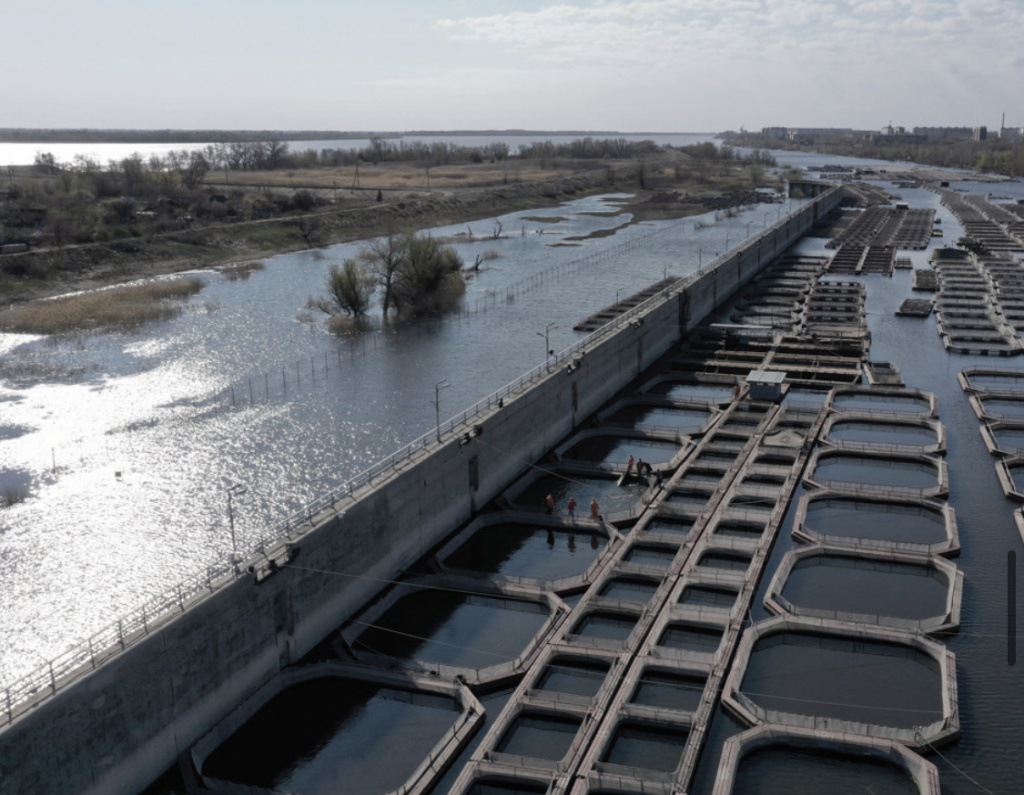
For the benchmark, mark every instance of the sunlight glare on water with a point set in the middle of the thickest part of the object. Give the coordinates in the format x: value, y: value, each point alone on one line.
x: 125, y: 443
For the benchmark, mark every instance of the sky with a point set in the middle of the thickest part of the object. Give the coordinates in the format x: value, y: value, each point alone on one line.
x: 624, y: 65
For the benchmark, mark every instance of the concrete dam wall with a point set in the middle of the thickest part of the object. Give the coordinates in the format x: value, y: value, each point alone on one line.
x: 120, y: 723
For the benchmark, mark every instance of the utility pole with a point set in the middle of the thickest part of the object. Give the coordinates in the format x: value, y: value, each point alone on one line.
x: 547, y: 339
x: 234, y: 490
x: 442, y: 384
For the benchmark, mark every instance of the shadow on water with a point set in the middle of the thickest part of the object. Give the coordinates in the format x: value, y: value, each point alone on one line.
x: 319, y: 736
x: 454, y: 629
x: 771, y: 771
x: 528, y: 551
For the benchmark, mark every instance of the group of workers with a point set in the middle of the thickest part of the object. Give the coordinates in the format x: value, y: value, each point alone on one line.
x: 595, y: 510
x: 642, y: 469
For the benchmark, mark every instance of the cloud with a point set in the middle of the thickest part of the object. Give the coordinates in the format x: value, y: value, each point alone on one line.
x: 842, y: 58
x: 624, y: 31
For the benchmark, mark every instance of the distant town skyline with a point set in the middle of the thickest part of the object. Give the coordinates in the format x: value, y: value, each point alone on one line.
x: 629, y: 65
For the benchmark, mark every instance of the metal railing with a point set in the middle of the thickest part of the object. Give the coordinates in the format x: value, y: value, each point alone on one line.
x: 858, y: 487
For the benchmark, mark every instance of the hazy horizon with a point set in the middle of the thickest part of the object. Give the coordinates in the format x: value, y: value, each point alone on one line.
x: 602, y: 65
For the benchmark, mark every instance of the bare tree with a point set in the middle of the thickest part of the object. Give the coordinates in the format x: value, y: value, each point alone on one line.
x: 46, y: 161
x: 309, y: 227
x: 191, y: 167
x: 133, y: 172
x: 236, y: 155
x: 60, y: 227
x: 640, y: 170
x: 385, y: 257
x: 275, y: 152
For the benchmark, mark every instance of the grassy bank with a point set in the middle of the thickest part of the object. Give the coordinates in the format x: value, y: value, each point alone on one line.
x: 116, y: 307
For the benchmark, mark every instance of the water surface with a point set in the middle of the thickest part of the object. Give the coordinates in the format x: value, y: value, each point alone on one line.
x: 528, y: 551
x: 319, y: 736
x: 869, y: 587
x: 776, y: 770
x: 866, y: 681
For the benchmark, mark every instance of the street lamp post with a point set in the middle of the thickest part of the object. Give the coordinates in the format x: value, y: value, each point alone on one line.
x: 234, y: 490
x: 547, y: 339
x: 442, y: 384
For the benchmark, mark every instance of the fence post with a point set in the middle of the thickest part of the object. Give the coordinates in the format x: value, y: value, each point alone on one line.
x: 120, y: 632
x: 53, y: 679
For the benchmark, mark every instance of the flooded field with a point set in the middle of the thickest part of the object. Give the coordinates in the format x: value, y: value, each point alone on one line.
x: 116, y: 438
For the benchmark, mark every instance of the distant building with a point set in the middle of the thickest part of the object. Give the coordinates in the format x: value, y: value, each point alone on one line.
x: 945, y: 132
x: 980, y: 133
x: 778, y: 133
x: 897, y: 135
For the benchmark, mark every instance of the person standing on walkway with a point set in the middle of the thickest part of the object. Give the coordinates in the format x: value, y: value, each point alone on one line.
x: 595, y: 511
x: 549, y: 504
x: 572, y: 509
x: 629, y: 466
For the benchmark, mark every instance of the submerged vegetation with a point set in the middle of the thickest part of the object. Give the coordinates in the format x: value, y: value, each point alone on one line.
x: 242, y: 270
x: 416, y: 275
x: 117, y: 307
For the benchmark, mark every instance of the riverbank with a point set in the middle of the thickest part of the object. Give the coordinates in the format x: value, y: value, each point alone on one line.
x: 358, y: 215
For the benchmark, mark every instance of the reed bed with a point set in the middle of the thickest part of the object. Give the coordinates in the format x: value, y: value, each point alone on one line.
x: 118, y: 307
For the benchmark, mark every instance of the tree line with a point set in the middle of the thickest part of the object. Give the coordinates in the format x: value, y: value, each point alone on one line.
x: 989, y: 156
x: 191, y: 166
